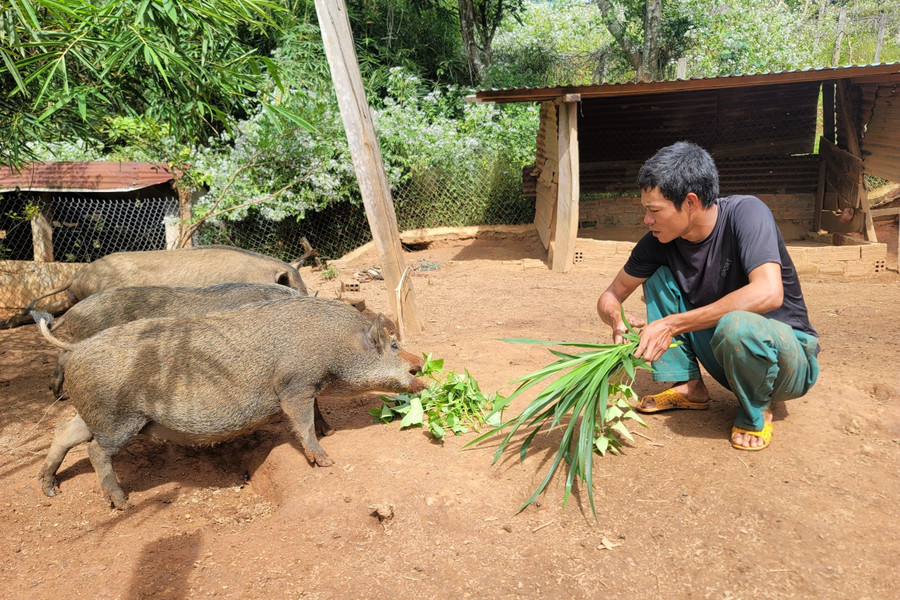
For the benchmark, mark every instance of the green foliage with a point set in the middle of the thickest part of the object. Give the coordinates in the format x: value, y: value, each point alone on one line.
x: 448, y: 162
x: 566, y: 42
x: 67, y: 66
x: 422, y: 36
x: 552, y: 43
x: 452, y: 402
x: 330, y: 272
x: 591, y: 389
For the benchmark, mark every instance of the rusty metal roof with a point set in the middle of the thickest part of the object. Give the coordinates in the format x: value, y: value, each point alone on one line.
x: 860, y: 73
x: 84, y: 176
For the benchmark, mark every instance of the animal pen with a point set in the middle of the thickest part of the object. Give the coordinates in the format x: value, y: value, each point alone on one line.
x: 800, y: 140
x: 55, y: 216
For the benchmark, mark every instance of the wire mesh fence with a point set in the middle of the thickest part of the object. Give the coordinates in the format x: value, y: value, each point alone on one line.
x: 434, y: 199
x: 79, y: 229
x: 45, y: 237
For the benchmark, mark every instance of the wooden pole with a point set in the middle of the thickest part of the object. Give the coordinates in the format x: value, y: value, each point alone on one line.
x: 845, y: 101
x: 367, y: 160
x: 562, y: 251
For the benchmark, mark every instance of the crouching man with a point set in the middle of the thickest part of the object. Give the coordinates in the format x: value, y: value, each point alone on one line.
x: 717, y: 277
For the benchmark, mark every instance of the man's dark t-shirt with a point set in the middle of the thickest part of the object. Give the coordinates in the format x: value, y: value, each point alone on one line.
x: 745, y: 236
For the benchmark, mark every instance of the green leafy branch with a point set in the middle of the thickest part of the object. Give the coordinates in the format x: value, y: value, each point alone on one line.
x: 452, y: 402
x: 592, y: 389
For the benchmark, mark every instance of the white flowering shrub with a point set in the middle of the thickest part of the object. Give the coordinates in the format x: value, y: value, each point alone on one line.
x: 448, y: 163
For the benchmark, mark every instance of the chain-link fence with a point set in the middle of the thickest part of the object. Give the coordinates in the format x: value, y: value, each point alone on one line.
x: 43, y: 240
x: 433, y: 199
x: 44, y: 237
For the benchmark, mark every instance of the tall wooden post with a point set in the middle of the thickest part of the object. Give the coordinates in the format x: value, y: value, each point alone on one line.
x: 845, y: 101
x: 565, y: 230
x: 367, y: 159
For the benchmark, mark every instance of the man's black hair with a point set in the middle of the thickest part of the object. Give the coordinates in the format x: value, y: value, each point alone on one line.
x: 680, y: 169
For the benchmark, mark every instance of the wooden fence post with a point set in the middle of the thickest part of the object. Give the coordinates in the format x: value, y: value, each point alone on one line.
x: 367, y: 160
x: 562, y: 251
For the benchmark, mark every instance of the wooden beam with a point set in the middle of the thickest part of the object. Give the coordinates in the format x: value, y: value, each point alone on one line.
x: 843, y: 95
x: 828, y: 111
x: 367, y: 160
x: 562, y: 251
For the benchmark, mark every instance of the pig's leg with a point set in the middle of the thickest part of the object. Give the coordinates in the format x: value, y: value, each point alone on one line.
x: 322, y: 427
x: 67, y: 436
x: 102, y: 461
x: 106, y: 445
x: 302, y: 416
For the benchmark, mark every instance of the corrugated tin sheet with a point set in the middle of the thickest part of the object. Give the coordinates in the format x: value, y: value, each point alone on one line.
x: 857, y: 72
x: 84, y: 176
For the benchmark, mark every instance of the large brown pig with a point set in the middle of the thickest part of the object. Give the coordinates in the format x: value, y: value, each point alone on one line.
x: 125, y: 304
x: 205, y: 379
x: 198, y: 266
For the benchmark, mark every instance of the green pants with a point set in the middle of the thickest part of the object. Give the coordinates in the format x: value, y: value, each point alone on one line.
x: 758, y: 359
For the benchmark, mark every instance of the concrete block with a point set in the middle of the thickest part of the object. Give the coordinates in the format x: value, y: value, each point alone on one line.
x: 624, y: 248
x: 859, y: 268
x: 798, y: 254
x: 831, y: 268
x: 873, y: 251
x: 845, y: 252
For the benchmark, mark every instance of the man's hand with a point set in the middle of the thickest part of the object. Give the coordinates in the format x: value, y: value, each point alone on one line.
x: 609, y: 305
x: 655, y: 340
x: 620, y: 329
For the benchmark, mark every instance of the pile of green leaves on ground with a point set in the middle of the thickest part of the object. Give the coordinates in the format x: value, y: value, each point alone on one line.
x: 591, y: 389
x: 452, y: 402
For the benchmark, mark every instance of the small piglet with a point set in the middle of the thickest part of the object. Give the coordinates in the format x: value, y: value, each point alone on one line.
x: 205, y: 379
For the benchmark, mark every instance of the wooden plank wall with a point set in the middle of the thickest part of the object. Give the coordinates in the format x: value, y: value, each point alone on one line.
x: 547, y: 167
x: 881, y: 141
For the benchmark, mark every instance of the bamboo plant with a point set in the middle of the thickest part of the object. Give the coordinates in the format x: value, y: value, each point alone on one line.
x: 592, y: 388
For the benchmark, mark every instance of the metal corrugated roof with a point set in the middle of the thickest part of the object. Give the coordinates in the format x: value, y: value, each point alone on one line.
x: 882, y: 72
x: 84, y: 176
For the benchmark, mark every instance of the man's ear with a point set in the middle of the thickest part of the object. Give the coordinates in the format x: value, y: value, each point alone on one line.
x: 692, y: 200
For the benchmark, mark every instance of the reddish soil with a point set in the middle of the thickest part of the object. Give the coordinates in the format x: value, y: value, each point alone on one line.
x: 680, y: 513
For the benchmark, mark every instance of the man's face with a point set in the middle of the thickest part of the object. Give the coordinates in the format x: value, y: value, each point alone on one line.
x: 664, y: 220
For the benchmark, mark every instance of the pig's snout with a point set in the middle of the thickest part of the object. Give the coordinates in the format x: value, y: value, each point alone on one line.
x: 415, y: 363
x: 417, y: 384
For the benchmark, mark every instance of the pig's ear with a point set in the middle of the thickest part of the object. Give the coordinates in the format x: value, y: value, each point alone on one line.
x: 283, y: 278
x: 375, y: 337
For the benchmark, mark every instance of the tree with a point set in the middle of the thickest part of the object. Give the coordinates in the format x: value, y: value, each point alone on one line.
x: 67, y: 66
x: 649, y: 33
x: 642, y: 52
x: 478, y: 23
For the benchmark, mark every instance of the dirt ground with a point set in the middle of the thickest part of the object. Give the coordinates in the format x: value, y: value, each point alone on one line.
x: 680, y: 513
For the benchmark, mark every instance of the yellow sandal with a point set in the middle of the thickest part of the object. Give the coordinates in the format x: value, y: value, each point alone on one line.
x: 668, y: 400
x: 765, y: 434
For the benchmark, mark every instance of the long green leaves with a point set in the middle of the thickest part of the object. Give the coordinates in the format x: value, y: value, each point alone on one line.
x: 591, y: 389
x: 192, y: 66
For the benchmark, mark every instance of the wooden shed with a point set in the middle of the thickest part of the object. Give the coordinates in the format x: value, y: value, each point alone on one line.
x: 800, y: 140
